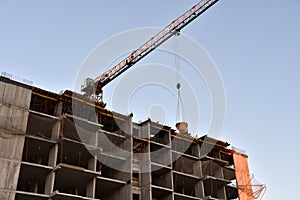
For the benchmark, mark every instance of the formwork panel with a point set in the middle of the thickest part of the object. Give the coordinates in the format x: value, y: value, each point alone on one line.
x: 11, y: 146
x: 6, y: 116
x: 15, y: 95
x: 20, y: 117
x: 13, y: 118
x: 7, y: 195
x: 9, y: 94
x: 2, y: 88
x: 22, y: 97
x: 9, y: 174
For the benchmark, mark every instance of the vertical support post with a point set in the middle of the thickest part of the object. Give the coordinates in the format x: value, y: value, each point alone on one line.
x: 49, y: 185
x: 91, y: 188
x: 50, y: 179
x: 145, y: 163
x: 200, y: 185
x: 92, y: 165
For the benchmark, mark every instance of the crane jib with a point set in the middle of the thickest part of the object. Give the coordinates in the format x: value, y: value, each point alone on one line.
x: 153, y: 43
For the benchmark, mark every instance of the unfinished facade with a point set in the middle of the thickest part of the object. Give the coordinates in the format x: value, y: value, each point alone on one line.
x: 50, y: 151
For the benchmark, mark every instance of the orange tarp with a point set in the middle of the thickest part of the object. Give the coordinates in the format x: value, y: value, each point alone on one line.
x: 243, y: 177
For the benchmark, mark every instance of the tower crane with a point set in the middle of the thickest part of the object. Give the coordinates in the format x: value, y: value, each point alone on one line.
x: 95, y: 86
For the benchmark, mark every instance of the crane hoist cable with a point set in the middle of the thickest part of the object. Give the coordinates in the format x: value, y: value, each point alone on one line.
x: 181, y: 123
x: 180, y: 114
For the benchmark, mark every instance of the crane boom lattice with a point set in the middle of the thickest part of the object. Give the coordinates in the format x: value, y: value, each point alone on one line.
x: 148, y: 47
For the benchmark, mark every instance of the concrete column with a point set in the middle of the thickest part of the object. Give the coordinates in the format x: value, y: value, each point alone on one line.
x: 145, y: 164
x: 200, y: 185
x: 128, y: 126
x: 49, y: 185
x: 58, y: 109
x: 222, y: 189
x: 221, y: 192
x: 54, y: 150
x: 50, y: 179
x: 91, y: 188
x: 172, y: 179
x: 56, y: 129
x: 53, y: 156
x: 92, y: 163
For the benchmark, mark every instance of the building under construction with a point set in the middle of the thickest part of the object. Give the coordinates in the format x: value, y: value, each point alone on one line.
x: 50, y: 151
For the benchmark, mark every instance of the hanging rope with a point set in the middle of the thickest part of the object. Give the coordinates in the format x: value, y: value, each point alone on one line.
x: 180, y: 114
x: 176, y: 58
x: 179, y: 105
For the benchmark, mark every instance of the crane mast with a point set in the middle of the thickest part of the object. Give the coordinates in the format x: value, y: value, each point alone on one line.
x: 146, y: 48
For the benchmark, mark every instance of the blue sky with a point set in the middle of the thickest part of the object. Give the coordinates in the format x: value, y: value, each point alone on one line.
x: 255, y: 45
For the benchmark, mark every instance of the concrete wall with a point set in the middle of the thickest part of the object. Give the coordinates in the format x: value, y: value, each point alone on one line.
x: 14, y: 109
